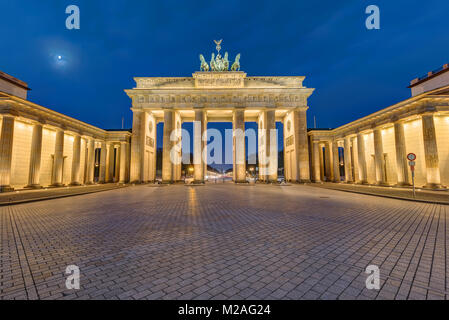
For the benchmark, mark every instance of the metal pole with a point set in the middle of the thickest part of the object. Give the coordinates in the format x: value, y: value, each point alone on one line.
x: 413, y: 180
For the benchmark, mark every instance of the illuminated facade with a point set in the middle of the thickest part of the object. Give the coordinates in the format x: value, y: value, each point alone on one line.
x: 373, y: 149
x: 40, y: 147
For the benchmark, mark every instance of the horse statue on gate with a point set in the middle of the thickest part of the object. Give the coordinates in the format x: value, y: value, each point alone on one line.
x: 236, y: 65
x: 204, y: 66
x: 226, y: 62
x: 212, y: 63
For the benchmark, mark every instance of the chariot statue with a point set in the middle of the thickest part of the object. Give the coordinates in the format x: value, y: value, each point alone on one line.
x: 218, y: 63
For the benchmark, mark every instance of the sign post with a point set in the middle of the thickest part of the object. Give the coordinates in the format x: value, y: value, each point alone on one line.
x: 411, y: 162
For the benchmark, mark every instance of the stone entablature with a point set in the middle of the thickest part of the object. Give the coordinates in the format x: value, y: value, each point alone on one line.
x: 434, y: 101
x: 219, y: 90
x: 216, y: 77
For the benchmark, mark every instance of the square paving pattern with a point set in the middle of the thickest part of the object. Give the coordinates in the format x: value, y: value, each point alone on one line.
x: 224, y: 241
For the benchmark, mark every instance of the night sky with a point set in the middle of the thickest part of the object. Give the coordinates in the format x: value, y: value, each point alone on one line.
x: 355, y: 71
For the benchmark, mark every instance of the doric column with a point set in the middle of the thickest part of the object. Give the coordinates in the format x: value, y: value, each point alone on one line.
x: 117, y: 164
x: 137, y: 146
x: 177, y: 144
x: 336, y: 162
x: 6, y: 143
x: 90, y: 161
x: 268, y: 148
x: 431, y: 152
x: 103, y: 157
x: 198, y: 145
x: 302, y: 144
x: 348, y: 161
x: 379, y: 157
x: 327, y: 161
x: 401, y: 156
x: 361, y: 159
x: 76, y: 161
x: 238, y: 126
x: 110, y: 163
x: 123, y: 162
x: 316, y: 162
x: 167, y: 163
x: 271, y: 147
x: 322, y: 165
x: 58, y: 158
x: 355, y: 156
x: 35, y: 157
x: 262, y: 144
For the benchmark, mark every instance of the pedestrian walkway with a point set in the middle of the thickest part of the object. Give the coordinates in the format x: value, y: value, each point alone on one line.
x: 23, y: 196
x: 422, y: 195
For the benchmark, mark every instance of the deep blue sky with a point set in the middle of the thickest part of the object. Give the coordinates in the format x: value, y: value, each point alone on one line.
x: 355, y: 71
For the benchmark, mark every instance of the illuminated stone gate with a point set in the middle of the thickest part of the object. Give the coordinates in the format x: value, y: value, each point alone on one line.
x: 218, y: 95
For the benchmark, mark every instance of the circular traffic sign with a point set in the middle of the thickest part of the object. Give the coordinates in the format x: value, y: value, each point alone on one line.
x: 411, y: 157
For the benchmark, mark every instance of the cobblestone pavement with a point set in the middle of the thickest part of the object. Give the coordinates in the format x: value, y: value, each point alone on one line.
x: 224, y: 242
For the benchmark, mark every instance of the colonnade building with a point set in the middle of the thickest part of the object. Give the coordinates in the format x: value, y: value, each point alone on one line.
x: 373, y: 150
x: 40, y: 147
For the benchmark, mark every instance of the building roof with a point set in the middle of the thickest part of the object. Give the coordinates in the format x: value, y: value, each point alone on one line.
x: 429, y: 75
x: 13, y: 80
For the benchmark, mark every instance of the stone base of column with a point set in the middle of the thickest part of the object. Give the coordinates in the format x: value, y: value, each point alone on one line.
x: 434, y: 186
x: 90, y: 183
x: 363, y: 182
x: 57, y: 185
x: 349, y: 182
x: 403, y: 184
x: 6, y: 189
x: 304, y: 181
x: 167, y: 181
x: 75, y: 184
x: 33, y: 186
x: 383, y: 184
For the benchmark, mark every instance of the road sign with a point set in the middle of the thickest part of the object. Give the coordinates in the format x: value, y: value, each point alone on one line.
x: 411, y: 157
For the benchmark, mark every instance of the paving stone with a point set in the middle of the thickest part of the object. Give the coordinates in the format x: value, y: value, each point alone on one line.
x: 224, y: 242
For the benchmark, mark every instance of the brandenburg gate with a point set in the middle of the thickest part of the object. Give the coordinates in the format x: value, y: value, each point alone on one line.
x: 219, y: 93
